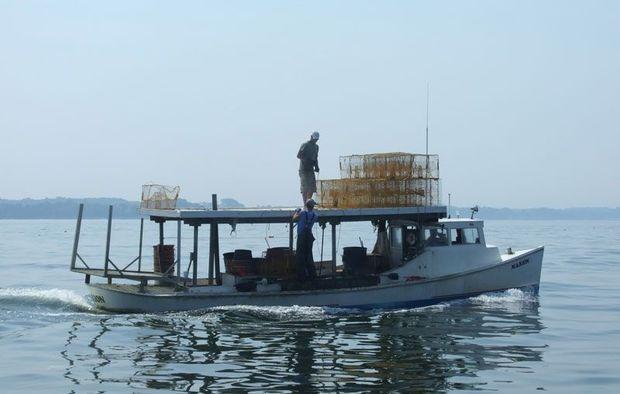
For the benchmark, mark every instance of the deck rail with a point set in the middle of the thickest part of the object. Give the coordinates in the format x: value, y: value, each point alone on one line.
x: 110, y: 269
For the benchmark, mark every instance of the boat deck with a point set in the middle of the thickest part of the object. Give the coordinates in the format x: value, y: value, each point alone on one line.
x: 147, y: 290
x: 112, y: 273
x: 142, y: 275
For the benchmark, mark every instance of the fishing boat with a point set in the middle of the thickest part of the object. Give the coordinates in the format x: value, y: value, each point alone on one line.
x: 421, y: 257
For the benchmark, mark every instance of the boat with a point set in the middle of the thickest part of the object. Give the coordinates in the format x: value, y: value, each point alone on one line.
x: 428, y: 258
x: 421, y: 257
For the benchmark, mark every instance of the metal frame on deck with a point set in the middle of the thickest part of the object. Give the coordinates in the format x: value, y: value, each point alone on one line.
x: 114, y: 271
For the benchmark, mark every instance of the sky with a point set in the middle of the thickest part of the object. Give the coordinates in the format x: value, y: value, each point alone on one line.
x: 98, y: 98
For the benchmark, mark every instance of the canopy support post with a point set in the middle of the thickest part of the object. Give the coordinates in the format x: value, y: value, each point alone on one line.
x: 140, y: 246
x: 333, y: 248
x: 211, y: 247
x: 216, y: 243
x: 160, y: 249
x: 178, y: 248
x: 161, y: 232
x: 290, y: 236
x: 195, y: 254
x: 107, y: 244
x: 76, y: 240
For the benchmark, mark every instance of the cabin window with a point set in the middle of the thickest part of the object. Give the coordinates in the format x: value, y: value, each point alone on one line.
x: 396, y: 236
x: 462, y: 236
x: 435, y: 236
x: 470, y: 236
x: 411, y: 242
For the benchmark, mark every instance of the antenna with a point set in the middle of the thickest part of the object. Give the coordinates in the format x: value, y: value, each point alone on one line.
x: 427, y: 102
x: 427, y: 184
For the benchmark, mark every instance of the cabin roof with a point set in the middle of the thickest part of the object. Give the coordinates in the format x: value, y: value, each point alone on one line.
x: 284, y: 215
x: 461, y: 222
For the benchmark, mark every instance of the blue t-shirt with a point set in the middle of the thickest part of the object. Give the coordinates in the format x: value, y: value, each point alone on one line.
x: 306, y: 220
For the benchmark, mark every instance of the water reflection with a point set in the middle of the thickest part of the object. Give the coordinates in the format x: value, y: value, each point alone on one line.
x: 304, y: 349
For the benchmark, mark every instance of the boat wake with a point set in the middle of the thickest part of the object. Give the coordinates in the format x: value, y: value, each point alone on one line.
x: 511, y: 300
x: 510, y: 296
x: 274, y: 313
x: 60, y: 300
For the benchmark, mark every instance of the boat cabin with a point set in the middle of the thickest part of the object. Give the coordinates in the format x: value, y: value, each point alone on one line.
x: 431, y: 245
x: 409, y: 239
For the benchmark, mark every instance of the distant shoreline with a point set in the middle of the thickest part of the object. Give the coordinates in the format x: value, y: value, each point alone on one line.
x: 94, y: 208
x: 97, y: 208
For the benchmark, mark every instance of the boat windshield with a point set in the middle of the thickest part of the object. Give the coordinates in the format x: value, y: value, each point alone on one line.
x: 463, y: 236
x: 435, y: 236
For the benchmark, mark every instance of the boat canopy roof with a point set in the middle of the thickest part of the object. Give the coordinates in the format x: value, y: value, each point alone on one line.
x: 284, y: 215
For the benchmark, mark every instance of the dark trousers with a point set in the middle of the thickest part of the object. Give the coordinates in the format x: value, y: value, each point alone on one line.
x: 303, y: 256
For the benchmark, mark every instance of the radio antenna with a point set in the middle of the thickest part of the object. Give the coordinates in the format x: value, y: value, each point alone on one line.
x: 427, y: 185
x: 427, y: 104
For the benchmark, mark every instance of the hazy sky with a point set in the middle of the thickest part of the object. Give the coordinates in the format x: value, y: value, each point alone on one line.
x: 97, y: 98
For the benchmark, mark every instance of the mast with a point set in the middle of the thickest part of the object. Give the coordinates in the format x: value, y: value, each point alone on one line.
x: 427, y: 183
x: 427, y: 104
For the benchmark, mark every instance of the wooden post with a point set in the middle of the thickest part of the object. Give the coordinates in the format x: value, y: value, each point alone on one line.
x: 107, y: 244
x: 161, y: 232
x: 179, y: 248
x: 76, y: 240
x: 195, y: 274
x: 140, y: 247
x: 211, y: 260
x: 160, y: 250
x: 290, y: 235
x: 333, y: 248
x: 216, y: 244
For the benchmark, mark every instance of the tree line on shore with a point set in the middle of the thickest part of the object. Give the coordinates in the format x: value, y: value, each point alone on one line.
x: 97, y: 208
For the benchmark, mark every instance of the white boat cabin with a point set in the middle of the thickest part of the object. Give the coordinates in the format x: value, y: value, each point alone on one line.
x: 440, y: 248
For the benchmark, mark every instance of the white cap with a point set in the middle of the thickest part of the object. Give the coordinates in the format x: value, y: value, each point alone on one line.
x: 315, y: 135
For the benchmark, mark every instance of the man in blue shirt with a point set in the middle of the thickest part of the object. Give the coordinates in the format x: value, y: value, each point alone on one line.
x: 303, y: 257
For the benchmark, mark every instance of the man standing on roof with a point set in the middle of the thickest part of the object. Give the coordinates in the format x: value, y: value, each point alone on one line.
x: 308, y: 156
x: 303, y: 255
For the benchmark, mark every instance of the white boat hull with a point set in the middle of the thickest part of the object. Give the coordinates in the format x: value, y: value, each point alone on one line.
x: 521, y: 271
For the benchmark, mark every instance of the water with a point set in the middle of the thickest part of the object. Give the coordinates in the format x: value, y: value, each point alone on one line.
x: 566, y: 339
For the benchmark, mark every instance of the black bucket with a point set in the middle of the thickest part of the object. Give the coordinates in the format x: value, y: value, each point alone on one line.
x: 355, y: 260
x: 278, y: 253
x: 242, y: 254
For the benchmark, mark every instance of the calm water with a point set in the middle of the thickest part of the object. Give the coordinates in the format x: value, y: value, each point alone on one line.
x: 566, y: 339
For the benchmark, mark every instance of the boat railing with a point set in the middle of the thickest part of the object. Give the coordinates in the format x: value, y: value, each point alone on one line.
x: 110, y: 268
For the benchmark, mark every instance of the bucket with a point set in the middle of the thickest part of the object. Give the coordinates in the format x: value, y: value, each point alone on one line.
x: 279, y: 263
x: 163, y: 258
x: 355, y: 260
x: 247, y: 267
x: 239, y: 263
x: 377, y: 263
x: 278, y: 252
x: 242, y: 254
